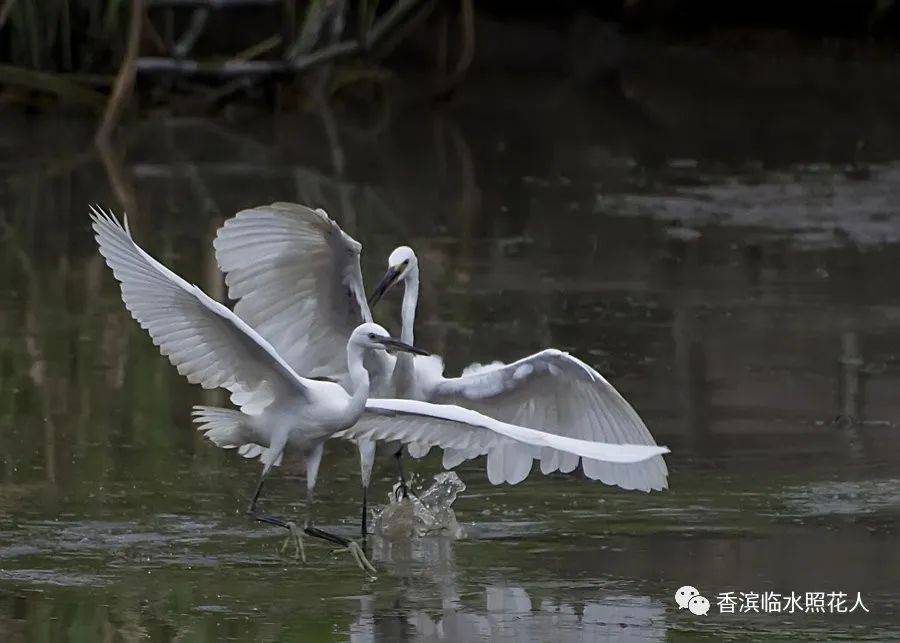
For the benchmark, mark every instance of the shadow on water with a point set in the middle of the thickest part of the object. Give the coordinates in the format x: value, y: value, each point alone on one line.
x: 734, y: 283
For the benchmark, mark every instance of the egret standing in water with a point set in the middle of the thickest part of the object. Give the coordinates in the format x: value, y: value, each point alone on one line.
x: 297, y: 278
x: 281, y: 410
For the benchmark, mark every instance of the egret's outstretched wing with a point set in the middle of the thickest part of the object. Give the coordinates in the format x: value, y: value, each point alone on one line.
x: 553, y: 391
x: 457, y: 429
x: 208, y: 343
x: 297, y: 280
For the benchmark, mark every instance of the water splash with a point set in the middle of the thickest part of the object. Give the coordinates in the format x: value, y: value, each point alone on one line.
x: 428, y: 513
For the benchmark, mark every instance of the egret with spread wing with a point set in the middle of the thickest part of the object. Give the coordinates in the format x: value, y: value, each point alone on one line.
x: 281, y: 410
x: 297, y: 278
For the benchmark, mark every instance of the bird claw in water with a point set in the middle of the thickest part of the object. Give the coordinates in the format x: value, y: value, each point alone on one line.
x: 359, y: 556
x: 296, y: 537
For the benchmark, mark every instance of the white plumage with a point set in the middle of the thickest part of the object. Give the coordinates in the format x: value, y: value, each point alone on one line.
x: 454, y: 427
x: 296, y: 275
x: 557, y: 392
x: 280, y: 409
x: 260, y: 250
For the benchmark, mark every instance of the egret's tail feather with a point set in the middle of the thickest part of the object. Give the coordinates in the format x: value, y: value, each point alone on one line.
x: 226, y: 428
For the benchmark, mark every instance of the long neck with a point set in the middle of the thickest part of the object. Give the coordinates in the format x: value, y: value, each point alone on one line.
x: 404, y: 370
x: 359, y: 379
x: 410, y: 299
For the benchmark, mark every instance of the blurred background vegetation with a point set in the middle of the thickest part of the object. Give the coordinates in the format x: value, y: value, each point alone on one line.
x: 199, y: 56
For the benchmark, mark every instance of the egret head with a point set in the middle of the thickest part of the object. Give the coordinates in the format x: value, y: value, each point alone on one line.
x: 372, y: 335
x: 401, y: 264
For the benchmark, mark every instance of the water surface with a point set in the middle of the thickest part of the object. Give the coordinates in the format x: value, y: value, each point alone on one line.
x: 739, y: 289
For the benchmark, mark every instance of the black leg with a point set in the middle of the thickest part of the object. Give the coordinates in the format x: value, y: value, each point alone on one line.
x: 403, y: 489
x: 253, y: 513
x: 355, y: 550
x: 271, y: 520
x: 315, y: 532
x: 364, y: 529
x: 251, y: 510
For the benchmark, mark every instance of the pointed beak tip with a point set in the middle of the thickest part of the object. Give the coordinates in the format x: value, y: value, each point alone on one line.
x: 386, y: 283
x: 395, y: 345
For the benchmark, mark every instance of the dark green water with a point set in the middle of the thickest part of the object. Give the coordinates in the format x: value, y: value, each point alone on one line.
x: 734, y: 276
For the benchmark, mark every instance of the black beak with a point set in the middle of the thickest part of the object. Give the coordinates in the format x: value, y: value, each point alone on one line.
x: 396, y: 345
x: 386, y: 283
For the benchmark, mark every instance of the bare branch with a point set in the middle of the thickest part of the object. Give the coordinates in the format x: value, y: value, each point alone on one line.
x: 125, y: 79
x: 231, y: 69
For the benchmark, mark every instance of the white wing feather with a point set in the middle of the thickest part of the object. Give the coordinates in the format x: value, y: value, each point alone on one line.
x: 555, y: 392
x: 205, y: 341
x: 297, y: 280
x: 463, y: 430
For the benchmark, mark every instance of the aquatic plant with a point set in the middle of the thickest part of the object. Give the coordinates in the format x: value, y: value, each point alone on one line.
x: 94, y: 52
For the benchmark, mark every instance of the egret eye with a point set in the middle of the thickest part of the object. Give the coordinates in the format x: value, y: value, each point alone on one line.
x: 373, y: 336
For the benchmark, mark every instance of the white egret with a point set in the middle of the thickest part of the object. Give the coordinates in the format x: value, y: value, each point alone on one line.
x: 297, y: 278
x: 281, y: 410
